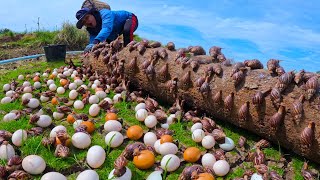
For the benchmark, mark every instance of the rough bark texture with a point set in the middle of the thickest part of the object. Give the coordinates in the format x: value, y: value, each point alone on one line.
x: 288, y: 133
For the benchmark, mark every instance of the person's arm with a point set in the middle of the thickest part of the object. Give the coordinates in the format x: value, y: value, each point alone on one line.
x: 107, y: 25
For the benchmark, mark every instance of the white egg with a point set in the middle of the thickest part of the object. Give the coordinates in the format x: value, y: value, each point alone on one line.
x: 81, y: 140
x: 49, y: 82
x: 114, y: 139
x: 126, y: 176
x: 75, y: 72
x: 141, y: 114
x: 33, y: 164
x: 45, y: 74
x: 208, y: 142
x: 6, y: 151
x: 94, y: 86
x: 140, y: 106
x: 26, y: 96
x: 72, y: 86
x: 52, y: 87
x: 37, y: 85
x: 149, y: 138
x: 6, y: 100
x: 37, y: 74
x: 44, y: 98
x: 228, y: 145
x: 6, y: 87
x: 55, y: 73
x: 40, y: 112
x: 20, y: 77
x: 53, y: 132
x: 171, y: 118
x: 94, y: 110
x: 101, y: 94
x: 116, y: 98
x: 168, y: 148
x: 33, y: 103
x: 112, y: 125
x: 198, y: 135
x: 256, y: 176
x: 44, y: 121
x: 18, y: 137
x: 96, y: 156
x: 78, y: 82
x: 10, y: 93
x: 165, y: 126
x: 196, y: 126
x: 157, y: 146
x: 109, y: 100
x: 77, y: 123
x: 78, y: 105
x: 26, y: 83
x: 221, y: 167
x: 9, y: 117
x: 150, y: 121
x: 208, y: 160
x: 84, y: 86
x: 53, y: 176
x: 155, y: 175
x: 67, y: 73
x: 97, y: 82
x: 73, y: 94
x: 27, y: 89
x: 88, y: 175
x: 94, y: 99
x: 57, y: 115
x: 61, y: 90
x: 170, y: 162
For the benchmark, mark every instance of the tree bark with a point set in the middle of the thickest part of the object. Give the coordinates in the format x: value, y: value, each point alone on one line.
x: 288, y: 133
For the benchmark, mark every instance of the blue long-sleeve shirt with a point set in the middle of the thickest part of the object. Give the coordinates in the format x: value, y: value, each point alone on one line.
x: 112, y: 24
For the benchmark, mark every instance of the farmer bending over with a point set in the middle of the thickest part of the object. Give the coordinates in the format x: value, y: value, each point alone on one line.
x: 106, y: 25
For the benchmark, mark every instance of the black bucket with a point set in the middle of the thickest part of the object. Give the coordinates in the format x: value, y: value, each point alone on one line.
x: 55, y: 52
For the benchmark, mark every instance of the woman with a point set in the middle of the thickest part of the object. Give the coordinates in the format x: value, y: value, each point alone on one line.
x: 106, y: 25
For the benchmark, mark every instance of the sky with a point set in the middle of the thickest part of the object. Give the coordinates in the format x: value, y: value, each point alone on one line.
x: 288, y: 30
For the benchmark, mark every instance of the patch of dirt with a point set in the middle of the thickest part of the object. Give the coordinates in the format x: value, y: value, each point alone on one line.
x: 13, y: 52
x: 16, y: 37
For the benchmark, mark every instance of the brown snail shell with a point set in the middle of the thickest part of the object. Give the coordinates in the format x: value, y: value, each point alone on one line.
x: 238, y: 77
x: 217, y: 98
x: 299, y: 77
x: 219, y: 135
x: 19, y: 174
x: 221, y: 58
x: 171, y: 46
x: 208, y: 124
x: 161, y: 131
x: 160, y: 115
x: 162, y: 53
x: 62, y: 151
x: 194, y: 65
x: 307, y: 175
x: 186, y: 80
x: 258, y: 98
x: 5, y: 134
x: 297, y: 109
x: 278, y: 117
x: 48, y: 141
x: 280, y: 71
x: 244, y: 111
x: 141, y: 48
x: 205, y: 87
x: 14, y: 163
x: 129, y: 150
x: 200, y: 81
x: 275, y: 176
x: 272, y: 65
x: 120, y: 166
x: 132, y: 65
x: 217, y: 69
x: 259, y: 157
x: 275, y: 96
x: 262, y: 144
x: 311, y: 86
x: 189, y: 171
x: 253, y: 64
x: 35, y: 131
x: 197, y: 50
x: 284, y: 80
x: 150, y: 71
x: 237, y: 66
x: 215, y: 51
x: 155, y: 44
x: 307, y: 135
x: 228, y: 101
x: 163, y: 73
x: 219, y: 154
x: 261, y: 168
x: 242, y: 141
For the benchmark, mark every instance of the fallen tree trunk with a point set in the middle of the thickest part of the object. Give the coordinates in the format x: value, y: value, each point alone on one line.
x: 279, y: 114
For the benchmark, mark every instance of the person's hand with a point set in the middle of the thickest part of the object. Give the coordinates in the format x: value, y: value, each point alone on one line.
x: 88, y: 48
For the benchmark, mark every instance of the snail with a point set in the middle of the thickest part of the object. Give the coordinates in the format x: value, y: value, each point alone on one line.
x: 228, y: 102
x: 186, y: 82
x: 62, y: 151
x: 208, y: 124
x: 188, y: 171
x: 163, y: 73
x: 258, y: 98
x: 242, y: 141
x: 253, y: 64
x: 278, y: 117
x: 311, y: 86
x: 215, y: 51
x: 275, y: 96
x: 219, y: 136
x: 299, y: 77
x: 217, y: 98
x: 262, y: 144
x: 162, y: 53
x: 259, y: 157
x: 171, y: 46
x: 280, y: 71
x: 19, y: 174
x: 307, y: 135
x: 272, y: 65
x: 297, y: 108
x: 244, y: 111
x: 284, y: 80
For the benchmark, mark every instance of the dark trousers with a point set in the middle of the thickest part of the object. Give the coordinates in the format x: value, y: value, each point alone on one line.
x: 129, y: 27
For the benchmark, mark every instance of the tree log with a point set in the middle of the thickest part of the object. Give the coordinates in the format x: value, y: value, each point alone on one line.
x: 262, y: 119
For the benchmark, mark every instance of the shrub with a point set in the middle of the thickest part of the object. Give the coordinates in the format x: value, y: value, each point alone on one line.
x: 74, y: 38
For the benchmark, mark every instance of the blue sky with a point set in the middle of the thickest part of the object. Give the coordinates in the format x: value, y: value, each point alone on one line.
x: 288, y: 30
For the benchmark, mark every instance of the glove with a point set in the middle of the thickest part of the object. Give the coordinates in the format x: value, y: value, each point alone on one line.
x: 88, y: 48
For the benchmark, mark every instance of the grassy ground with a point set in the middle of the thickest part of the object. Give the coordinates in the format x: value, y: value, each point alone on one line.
x: 72, y: 165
